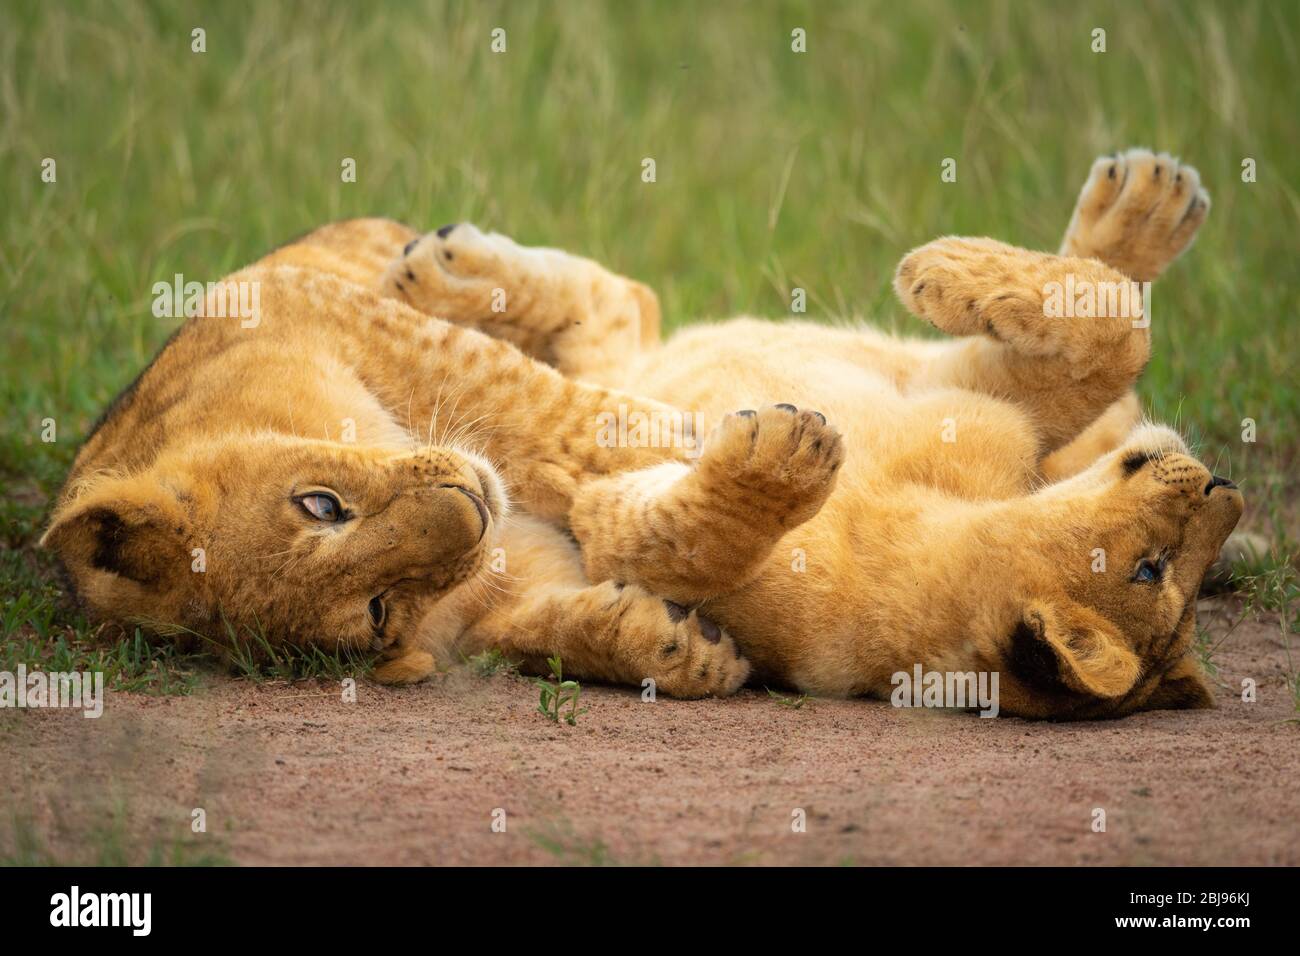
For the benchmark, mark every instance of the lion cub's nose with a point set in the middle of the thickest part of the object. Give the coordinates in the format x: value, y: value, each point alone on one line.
x: 480, y: 505
x: 1217, y: 481
x: 449, y: 521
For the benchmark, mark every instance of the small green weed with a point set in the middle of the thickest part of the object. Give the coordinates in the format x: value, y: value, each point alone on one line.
x: 556, y: 694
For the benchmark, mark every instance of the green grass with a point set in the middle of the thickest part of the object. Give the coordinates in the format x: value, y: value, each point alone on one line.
x: 560, y: 839
x: 491, y: 662
x: 574, y: 851
x: 107, y: 837
x: 1275, y: 589
x: 1267, y: 589
x: 793, y: 702
x: 249, y: 654
x: 40, y: 630
x: 774, y: 170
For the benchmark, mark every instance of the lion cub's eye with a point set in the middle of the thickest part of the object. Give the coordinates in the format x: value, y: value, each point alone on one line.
x: 378, y: 613
x: 322, y: 507
x: 1148, y: 571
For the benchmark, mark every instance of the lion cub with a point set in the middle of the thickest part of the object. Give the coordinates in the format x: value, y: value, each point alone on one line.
x: 308, y: 479
x: 1001, y: 509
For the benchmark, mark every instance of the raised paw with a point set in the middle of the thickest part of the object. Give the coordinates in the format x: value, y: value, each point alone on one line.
x: 462, y: 274
x: 685, y: 653
x: 951, y: 282
x: 1137, y: 212
x: 1017, y: 297
x: 779, y: 461
x: 696, y: 532
x: 561, y: 309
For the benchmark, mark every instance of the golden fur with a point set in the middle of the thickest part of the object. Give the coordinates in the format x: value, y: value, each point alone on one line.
x: 977, y: 553
x: 185, y: 509
x: 924, y: 534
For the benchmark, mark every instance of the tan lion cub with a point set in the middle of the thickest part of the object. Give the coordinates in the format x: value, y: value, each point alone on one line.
x: 304, y: 478
x: 941, y: 545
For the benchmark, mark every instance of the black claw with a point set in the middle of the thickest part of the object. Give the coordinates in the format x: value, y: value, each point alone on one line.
x: 787, y: 406
x: 820, y: 417
x: 445, y: 231
x: 409, y: 246
x: 676, y: 612
x: 747, y: 413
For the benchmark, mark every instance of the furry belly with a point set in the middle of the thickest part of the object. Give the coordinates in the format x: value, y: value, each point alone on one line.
x: 714, y: 383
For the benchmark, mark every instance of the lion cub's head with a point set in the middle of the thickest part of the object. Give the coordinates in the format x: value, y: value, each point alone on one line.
x: 298, y: 541
x: 1111, y: 626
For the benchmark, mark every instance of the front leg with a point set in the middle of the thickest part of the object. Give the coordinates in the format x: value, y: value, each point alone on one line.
x: 622, y: 635
x: 447, y: 385
x: 547, y: 434
x: 561, y: 309
x: 695, y: 532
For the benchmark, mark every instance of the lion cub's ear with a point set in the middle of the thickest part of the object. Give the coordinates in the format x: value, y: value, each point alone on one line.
x: 1068, y: 644
x: 126, y: 543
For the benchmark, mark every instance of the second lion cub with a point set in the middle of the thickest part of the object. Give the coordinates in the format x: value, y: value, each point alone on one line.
x: 942, y: 546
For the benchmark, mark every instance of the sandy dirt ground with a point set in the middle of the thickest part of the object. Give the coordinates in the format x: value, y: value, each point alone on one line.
x: 291, y: 774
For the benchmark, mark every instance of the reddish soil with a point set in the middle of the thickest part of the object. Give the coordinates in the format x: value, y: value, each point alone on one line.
x: 290, y: 774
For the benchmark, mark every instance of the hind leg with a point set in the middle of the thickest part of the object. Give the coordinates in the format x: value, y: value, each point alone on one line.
x: 623, y: 635
x: 1104, y: 435
x: 564, y: 310
x: 1138, y: 212
x: 1032, y: 338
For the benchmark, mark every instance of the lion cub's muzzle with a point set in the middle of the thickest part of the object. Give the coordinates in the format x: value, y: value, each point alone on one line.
x: 445, y: 526
x: 477, y: 499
